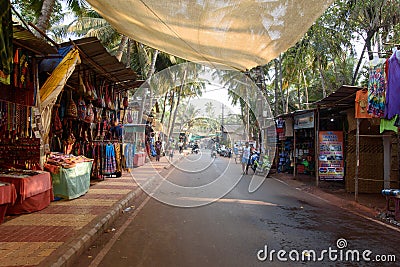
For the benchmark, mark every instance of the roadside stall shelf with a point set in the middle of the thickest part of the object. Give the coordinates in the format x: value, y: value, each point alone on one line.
x: 34, y: 190
x: 71, y: 183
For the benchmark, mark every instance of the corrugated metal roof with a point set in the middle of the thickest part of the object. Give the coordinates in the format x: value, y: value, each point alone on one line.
x: 343, y: 97
x: 94, y: 55
x: 26, y: 39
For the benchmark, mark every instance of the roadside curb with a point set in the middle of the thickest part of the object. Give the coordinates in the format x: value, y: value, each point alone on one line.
x: 76, y: 247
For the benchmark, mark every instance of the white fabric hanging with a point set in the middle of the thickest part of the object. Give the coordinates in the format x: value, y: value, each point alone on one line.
x: 239, y: 34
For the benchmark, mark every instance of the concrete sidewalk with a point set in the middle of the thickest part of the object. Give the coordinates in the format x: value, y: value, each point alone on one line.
x: 57, y: 235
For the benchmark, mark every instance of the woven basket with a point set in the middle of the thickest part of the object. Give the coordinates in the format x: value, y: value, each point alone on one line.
x: 72, y: 110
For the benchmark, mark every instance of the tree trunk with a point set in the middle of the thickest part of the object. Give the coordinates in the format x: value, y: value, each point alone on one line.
x: 177, y: 103
x: 321, y: 75
x: 150, y: 74
x: 280, y: 83
x: 44, y: 18
x: 121, y: 47
x: 171, y: 109
x: 306, y: 89
x: 366, y: 45
x: 164, y: 105
x: 276, y: 87
x: 128, y: 53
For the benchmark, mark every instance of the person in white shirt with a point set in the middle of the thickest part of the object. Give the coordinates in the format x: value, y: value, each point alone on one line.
x: 245, y: 157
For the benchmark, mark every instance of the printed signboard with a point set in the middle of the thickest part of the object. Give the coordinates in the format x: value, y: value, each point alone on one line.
x: 331, y: 165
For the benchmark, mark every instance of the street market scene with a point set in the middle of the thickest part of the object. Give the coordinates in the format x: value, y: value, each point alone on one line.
x: 199, y: 133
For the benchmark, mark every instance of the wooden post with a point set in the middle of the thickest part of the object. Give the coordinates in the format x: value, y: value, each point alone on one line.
x: 357, y: 161
x: 316, y: 149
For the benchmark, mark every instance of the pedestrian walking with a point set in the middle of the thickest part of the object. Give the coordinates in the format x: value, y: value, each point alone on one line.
x: 158, y: 149
x: 245, y: 158
x: 171, y: 153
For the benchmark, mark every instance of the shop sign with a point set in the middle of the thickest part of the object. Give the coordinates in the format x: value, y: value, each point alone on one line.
x: 330, y: 163
x: 304, y: 121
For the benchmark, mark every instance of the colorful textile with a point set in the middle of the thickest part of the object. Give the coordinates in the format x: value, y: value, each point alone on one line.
x: 129, y: 153
x: 376, y: 91
x: 388, y: 125
x: 393, y: 88
x: 361, y: 106
x: 6, y: 48
x: 110, y: 163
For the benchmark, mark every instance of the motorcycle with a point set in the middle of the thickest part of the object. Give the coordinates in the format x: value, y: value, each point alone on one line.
x: 195, y: 150
x: 213, y: 154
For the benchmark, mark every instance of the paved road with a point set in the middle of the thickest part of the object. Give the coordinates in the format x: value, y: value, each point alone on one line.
x: 233, y: 230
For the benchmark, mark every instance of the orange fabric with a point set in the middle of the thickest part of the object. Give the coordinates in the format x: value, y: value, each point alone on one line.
x: 361, y: 105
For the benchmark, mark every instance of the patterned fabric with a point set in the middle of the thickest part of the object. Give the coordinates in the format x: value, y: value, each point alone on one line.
x: 393, y: 87
x: 376, y: 91
x: 117, y: 148
x: 6, y: 48
x: 129, y: 153
x: 110, y: 163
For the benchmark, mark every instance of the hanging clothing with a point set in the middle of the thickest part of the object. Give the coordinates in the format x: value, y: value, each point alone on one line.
x: 376, y: 91
x: 393, y: 88
x: 6, y: 42
x: 361, y: 105
x: 388, y: 125
x: 110, y: 163
x: 129, y: 153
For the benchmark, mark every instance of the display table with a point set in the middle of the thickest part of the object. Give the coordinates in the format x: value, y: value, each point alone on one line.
x: 8, y: 195
x: 70, y: 183
x: 34, y: 190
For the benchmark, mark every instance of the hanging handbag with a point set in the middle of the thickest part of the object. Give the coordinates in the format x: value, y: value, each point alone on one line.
x: 81, y: 109
x: 89, y: 113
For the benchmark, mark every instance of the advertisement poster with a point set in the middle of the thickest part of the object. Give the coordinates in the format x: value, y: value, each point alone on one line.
x: 331, y: 165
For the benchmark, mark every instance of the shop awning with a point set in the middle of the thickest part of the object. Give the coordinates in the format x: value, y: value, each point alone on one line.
x: 27, y: 40
x: 343, y: 97
x: 239, y: 34
x: 95, y: 56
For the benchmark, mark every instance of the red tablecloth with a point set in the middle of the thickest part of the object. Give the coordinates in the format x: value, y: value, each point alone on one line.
x: 28, y: 186
x: 8, y: 195
x: 33, y: 192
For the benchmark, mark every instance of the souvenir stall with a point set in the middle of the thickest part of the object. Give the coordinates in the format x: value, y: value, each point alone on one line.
x: 89, y: 115
x: 285, y: 143
x: 304, y: 142
x: 25, y: 187
x: 134, y: 145
x: 375, y: 122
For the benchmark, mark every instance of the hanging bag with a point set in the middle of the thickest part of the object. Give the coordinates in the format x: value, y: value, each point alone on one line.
x: 72, y: 110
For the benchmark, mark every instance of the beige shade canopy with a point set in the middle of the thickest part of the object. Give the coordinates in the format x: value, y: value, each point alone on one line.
x: 239, y: 34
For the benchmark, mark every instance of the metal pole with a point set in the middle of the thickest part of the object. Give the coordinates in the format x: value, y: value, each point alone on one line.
x: 357, y: 161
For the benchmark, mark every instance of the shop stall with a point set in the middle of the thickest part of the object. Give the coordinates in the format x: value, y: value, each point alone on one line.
x: 34, y: 190
x: 133, y: 144
x: 91, y: 109
x: 304, y: 142
x: 8, y: 195
x: 70, y: 175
